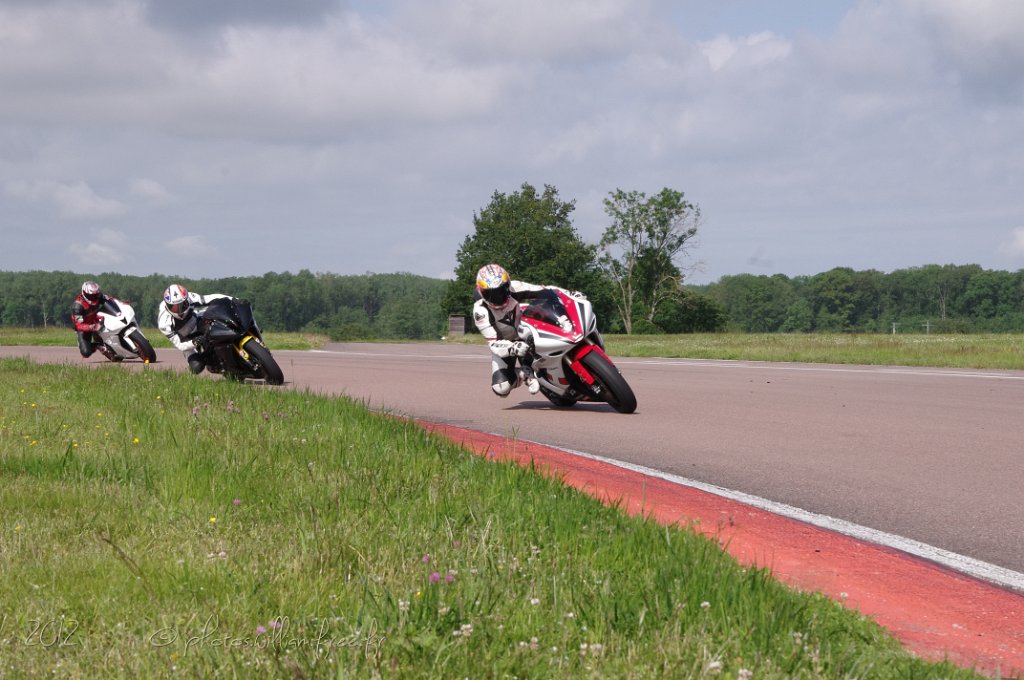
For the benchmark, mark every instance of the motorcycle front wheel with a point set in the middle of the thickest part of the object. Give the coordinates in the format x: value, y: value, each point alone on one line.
x: 616, y: 390
x: 265, y: 363
x: 145, y: 350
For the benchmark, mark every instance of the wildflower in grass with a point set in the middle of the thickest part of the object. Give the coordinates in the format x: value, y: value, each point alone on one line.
x: 443, y: 609
x: 135, y: 440
x: 705, y: 605
x: 425, y: 559
x: 434, y: 577
x: 276, y: 624
x: 260, y: 630
x: 449, y: 577
x: 745, y: 674
x: 403, y: 605
x: 714, y: 667
x: 534, y: 601
x: 237, y: 502
x: 213, y: 520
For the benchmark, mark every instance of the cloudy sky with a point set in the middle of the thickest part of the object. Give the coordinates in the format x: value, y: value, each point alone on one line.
x: 209, y: 138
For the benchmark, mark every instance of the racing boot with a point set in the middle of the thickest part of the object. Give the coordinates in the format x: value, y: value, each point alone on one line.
x: 108, y: 353
x: 527, y: 377
x: 196, y: 363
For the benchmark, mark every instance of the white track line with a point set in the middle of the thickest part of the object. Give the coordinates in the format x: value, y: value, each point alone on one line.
x: 984, y: 571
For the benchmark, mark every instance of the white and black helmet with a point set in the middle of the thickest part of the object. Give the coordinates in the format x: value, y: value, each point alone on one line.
x: 176, y: 299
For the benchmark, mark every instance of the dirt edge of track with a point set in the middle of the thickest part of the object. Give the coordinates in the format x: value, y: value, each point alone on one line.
x: 936, y: 612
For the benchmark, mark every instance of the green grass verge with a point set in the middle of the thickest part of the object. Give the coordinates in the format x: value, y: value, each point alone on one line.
x: 158, y: 525
x: 66, y: 337
x: 994, y: 350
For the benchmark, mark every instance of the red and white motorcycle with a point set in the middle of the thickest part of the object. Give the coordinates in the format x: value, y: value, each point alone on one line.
x: 568, y: 353
x: 121, y: 333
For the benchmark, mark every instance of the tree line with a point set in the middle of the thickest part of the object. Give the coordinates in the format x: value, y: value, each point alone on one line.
x: 634, y: 276
x: 358, y: 307
x: 933, y: 298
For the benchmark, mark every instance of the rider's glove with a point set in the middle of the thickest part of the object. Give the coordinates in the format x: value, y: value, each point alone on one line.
x: 199, y: 345
x: 96, y: 327
x: 507, y: 348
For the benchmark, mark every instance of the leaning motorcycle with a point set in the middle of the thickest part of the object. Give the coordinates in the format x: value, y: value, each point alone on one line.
x: 232, y: 342
x: 568, y: 353
x: 121, y: 333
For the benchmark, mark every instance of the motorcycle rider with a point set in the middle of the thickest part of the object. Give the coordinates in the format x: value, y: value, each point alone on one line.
x: 496, y: 314
x: 84, y: 312
x: 176, y: 308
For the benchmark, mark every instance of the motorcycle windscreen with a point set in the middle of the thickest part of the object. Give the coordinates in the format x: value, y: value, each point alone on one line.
x: 546, y: 307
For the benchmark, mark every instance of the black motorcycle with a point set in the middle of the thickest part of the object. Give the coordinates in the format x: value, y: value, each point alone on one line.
x: 232, y: 342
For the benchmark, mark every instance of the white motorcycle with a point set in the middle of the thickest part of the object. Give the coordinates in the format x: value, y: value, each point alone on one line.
x: 568, y: 353
x: 121, y: 333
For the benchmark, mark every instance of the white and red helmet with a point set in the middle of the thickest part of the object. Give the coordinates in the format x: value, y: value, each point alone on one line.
x: 495, y: 287
x: 176, y: 299
x: 91, y: 291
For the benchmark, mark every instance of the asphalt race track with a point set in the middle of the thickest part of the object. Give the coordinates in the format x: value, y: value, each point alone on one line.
x: 929, y: 461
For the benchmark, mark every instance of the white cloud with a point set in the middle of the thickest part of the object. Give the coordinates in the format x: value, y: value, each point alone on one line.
x: 151, y: 191
x: 107, y: 248
x: 193, y: 246
x: 1015, y: 246
x: 749, y: 51
x: 531, y: 30
x: 73, y: 200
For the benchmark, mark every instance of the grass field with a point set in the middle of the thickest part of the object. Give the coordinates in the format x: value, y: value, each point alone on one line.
x: 160, y: 525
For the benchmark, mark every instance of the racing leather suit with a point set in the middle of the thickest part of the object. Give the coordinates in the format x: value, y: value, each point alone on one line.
x: 499, y: 328
x: 83, y: 316
x: 169, y: 325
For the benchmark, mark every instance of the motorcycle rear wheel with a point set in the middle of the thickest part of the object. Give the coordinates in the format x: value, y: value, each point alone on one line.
x: 145, y: 350
x: 616, y: 390
x: 261, y: 356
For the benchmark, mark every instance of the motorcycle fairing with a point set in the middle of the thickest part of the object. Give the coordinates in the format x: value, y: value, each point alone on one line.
x: 577, y: 363
x: 545, y: 311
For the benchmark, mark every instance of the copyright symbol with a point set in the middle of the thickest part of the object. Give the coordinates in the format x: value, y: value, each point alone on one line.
x: 163, y: 637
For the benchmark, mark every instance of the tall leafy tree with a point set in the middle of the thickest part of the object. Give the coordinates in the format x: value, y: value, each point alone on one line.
x: 641, y: 247
x: 529, y: 234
